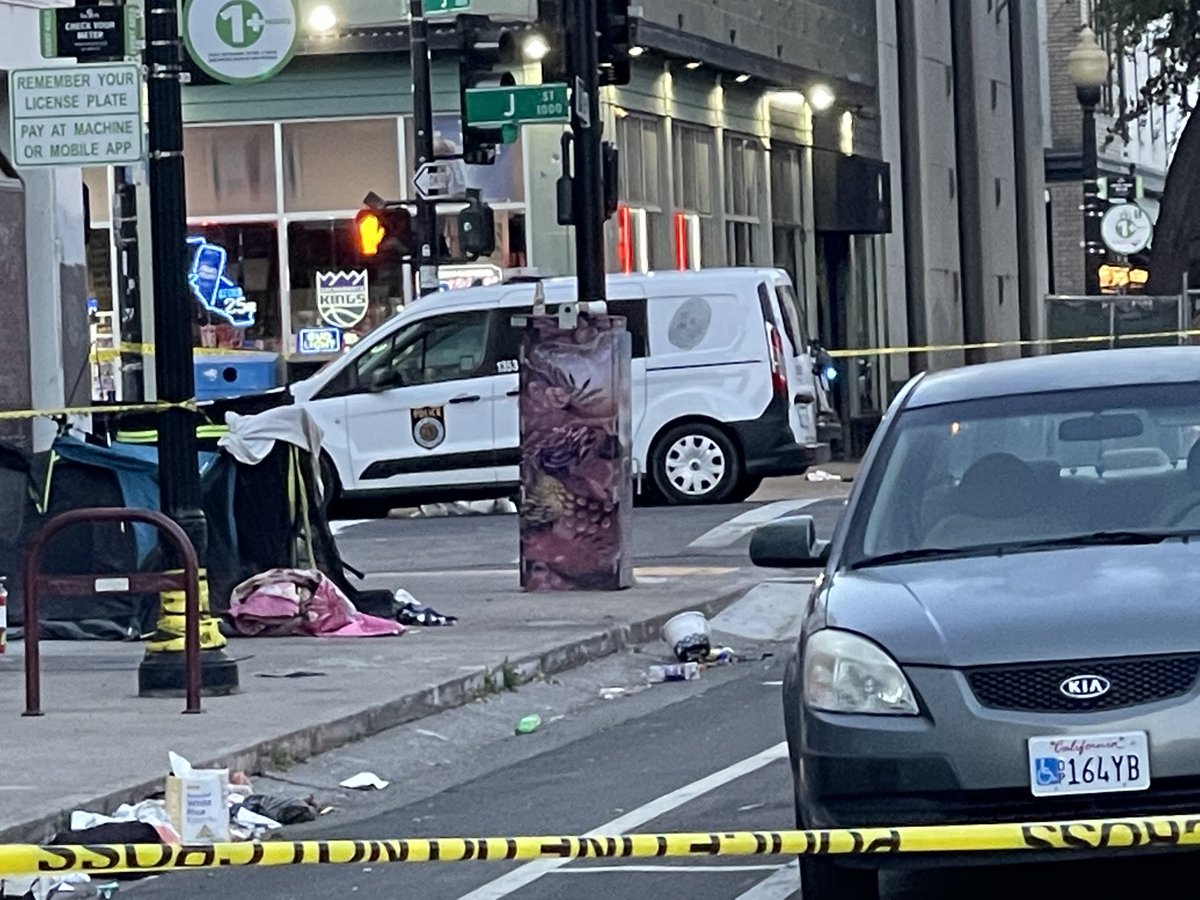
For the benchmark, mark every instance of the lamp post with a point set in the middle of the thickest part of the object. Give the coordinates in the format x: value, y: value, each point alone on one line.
x: 1087, y: 65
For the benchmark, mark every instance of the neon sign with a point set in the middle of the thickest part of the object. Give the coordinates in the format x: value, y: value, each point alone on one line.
x: 214, y: 289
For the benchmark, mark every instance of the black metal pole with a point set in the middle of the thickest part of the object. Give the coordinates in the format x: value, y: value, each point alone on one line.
x: 588, y: 175
x: 179, y: 475
x: 128, y: 296
x: 1092, y: 243
x: 427, y: 282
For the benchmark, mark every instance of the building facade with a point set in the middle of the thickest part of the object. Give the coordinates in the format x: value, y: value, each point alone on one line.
x: 43, y: 276
x: 1141, y: 150
x: 749, y: 135
x: 961, y: 98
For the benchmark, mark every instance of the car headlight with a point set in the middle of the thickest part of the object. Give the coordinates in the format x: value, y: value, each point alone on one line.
x: 846, y: 673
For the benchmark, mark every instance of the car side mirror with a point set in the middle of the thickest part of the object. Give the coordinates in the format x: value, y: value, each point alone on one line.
x: 789, y: 543
x: 382, y: 379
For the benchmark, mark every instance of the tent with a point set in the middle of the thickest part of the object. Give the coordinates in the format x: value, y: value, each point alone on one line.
x: 261, y: 496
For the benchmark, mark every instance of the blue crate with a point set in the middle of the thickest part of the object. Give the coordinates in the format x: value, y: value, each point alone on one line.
x: 235, y: 374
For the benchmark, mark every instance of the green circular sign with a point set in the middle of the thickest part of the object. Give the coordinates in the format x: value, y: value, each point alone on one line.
x: 241, y: 41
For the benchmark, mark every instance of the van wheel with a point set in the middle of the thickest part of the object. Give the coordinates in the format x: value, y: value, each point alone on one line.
x: 696, y: 463
x: 746, y: 487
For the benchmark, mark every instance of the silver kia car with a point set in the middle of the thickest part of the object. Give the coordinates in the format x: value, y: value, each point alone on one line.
x: 1007, y: 624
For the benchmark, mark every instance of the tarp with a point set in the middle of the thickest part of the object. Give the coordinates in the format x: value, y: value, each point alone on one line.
x: 261, y: 498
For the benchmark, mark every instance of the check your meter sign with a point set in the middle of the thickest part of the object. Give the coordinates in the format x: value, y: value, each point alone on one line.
x: 85, y: 115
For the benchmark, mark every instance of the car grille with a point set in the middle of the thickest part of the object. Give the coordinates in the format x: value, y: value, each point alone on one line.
x: 1132, y: 682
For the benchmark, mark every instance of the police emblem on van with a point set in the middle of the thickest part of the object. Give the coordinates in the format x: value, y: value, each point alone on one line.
x: 343, y: 297
x: 428, y: 426
x: 1085, y: 687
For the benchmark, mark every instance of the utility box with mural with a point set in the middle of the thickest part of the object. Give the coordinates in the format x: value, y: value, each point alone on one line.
x: 576, y: 486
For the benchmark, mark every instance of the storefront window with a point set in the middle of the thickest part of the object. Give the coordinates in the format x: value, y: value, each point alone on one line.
x: 332, y: 288
x: 333, y: 165
x: 247, y: 256
x: 640, y: 185
x: 696, y: 181
x: 230, y: 169
x: 786, y: 212
x: 743, y: 182
x: 501, y: 182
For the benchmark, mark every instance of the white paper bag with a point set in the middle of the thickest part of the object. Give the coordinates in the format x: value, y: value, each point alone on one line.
x: 196, y: 802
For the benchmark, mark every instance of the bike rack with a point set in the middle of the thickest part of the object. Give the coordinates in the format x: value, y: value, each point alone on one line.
x: 35, y: 583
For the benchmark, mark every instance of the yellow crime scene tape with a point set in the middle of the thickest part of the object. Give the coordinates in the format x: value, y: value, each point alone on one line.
x: 61, y: 411
x: 1094, y: 834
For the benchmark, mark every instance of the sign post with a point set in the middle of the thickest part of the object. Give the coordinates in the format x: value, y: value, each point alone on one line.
x: 88, y: 33
x: 445, y: 6
x: 432, y: 180
x: 1126, y: 229
x: 500, y: 106
x: 86, y: 115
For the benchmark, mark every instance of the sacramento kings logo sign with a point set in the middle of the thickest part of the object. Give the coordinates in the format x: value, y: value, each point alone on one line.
x: 343, y: 298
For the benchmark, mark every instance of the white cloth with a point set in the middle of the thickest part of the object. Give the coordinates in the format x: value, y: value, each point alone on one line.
x: 252, y: 438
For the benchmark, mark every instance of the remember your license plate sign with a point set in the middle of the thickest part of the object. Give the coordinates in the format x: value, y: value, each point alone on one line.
x: 1089, y: 764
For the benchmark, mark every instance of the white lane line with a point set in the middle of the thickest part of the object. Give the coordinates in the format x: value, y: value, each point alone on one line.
x: 783, y: 884
x: 739, y: 526
x: 337, y: 527
x: 513, y: 881
x: 707, y: 870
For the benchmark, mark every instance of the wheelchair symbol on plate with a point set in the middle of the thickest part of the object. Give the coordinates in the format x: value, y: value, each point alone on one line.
x: 1048, y: 770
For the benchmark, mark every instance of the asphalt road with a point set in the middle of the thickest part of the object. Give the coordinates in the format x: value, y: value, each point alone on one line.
x: 704, y: 535
x: 682, y: 757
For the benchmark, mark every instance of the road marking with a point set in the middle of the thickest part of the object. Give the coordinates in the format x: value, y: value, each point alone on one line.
x: 783, y: 884
x: 346, y: 524
x: 731, y: 531
x: 527, y: 874
x: 707, y: 870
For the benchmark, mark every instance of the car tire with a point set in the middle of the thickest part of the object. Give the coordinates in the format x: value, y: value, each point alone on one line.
x: 695, y: 463
x: 823, y: 879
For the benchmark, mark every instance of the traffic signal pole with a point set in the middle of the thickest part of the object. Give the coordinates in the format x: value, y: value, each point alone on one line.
x: 583, y: 57
x: 179, y: 473
x: 427, y: 227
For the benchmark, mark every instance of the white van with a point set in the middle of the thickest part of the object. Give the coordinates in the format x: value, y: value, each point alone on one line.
x: 724, y: 390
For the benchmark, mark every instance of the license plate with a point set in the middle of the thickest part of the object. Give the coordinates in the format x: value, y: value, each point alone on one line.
x: 1089, y: 764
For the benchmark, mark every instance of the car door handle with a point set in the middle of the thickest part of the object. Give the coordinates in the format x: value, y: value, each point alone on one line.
x: 516, y: 392
x: 466, y: 398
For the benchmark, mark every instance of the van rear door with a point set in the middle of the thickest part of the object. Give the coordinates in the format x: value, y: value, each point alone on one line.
x: 807, y: 389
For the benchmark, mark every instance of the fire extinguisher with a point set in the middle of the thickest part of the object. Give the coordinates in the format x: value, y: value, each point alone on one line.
x: 3, y: 615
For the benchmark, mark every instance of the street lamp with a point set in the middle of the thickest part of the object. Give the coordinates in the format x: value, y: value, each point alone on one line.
x: 1088, y: 66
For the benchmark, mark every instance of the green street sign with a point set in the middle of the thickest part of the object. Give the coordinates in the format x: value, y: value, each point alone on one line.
x: 441, y: 6
x: 493, y: 107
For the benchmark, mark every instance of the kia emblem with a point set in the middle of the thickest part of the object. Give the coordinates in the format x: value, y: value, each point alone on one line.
x: 1085, y: 687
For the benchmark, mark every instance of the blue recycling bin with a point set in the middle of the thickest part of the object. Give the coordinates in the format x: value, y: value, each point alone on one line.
x: 235, y: 373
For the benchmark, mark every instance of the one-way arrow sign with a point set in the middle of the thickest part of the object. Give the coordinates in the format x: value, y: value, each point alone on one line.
x: 432, y: 180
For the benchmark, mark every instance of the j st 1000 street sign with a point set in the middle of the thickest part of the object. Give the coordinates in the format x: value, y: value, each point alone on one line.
x: 86, y: 115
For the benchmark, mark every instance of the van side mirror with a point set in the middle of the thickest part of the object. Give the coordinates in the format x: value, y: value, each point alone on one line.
x: 789, y: 543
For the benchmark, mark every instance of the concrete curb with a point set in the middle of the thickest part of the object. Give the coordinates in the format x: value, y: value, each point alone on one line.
x: 427, y: 701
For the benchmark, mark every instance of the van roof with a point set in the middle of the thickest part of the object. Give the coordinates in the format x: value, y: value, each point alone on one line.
x: 620, y: 287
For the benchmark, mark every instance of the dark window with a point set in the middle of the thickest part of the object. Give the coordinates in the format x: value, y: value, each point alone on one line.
x: 793, y: 319
x: 442, y: 348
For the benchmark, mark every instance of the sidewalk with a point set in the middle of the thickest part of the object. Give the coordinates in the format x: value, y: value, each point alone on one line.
x: 99, y: 745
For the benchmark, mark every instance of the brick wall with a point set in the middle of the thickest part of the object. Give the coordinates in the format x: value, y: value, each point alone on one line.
x: 1066, y: 237
x: 14, y: 306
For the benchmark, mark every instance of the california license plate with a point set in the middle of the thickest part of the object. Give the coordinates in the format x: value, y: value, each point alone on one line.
x: 1089, y: 764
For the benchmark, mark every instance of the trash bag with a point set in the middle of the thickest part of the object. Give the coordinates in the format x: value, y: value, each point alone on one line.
x: 113, y: 833
x: 284, y: 810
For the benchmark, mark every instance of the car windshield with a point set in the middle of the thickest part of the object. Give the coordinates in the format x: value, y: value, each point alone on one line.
x: 1021, y: 473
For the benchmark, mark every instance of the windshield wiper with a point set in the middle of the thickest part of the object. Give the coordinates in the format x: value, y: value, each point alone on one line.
x: 1094, y: 539
x: 1101, y: 538
x: 917, y: 553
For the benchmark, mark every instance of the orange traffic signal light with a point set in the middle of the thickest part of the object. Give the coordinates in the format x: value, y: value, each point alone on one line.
x: 370, y: 231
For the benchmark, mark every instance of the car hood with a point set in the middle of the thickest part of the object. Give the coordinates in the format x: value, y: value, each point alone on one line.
x: 1078, y: 603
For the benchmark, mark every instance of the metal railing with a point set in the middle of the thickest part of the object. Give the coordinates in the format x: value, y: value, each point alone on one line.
x: 36, y: 583
x: 1127, y: 320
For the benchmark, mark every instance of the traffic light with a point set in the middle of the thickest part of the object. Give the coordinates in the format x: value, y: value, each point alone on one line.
x: 369, y: 232
x: 384, y: 230
x: 612, y: 18
x: 477, y: 227
x: 480, y: 53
